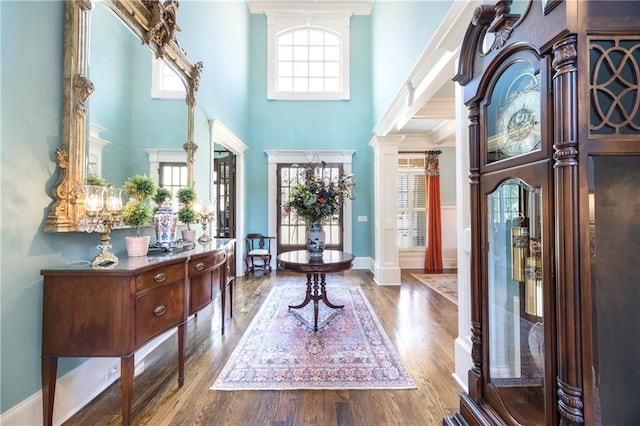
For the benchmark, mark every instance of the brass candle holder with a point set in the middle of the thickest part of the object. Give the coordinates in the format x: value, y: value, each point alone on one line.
x: 103, y: 207
x: 205, y: 215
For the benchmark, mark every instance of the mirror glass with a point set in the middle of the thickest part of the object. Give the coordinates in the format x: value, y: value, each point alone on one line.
x: 115, y: 132
x: 123, y: 119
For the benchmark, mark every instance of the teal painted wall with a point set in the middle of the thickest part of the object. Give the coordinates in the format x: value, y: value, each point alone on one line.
x: 31, y: 96
x: 400, y: 31
x: 309, y: 125
x: 217, y: 33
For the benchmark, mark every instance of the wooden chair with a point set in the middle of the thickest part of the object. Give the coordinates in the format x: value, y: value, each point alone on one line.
x: 258, y: 253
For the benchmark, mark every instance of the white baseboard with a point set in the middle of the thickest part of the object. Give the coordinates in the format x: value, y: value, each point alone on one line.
x: 363, y: 263
x: 76, y: 389
x: 462, y: 354
x: 417, y: 262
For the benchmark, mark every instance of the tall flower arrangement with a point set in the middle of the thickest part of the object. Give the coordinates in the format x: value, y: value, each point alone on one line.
x: 318, y: 196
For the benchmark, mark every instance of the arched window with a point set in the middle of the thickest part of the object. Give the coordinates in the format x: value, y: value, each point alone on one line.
x: 308, y: 58
x: 308, y: 61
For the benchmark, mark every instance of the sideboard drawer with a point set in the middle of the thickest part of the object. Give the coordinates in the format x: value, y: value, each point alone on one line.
x: 160, y: 276
x: 202, y: 263
x: 159, y: 310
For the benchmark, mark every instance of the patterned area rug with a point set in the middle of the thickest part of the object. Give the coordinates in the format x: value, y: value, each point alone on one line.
x: 281, y: 351
x: 445, y: 284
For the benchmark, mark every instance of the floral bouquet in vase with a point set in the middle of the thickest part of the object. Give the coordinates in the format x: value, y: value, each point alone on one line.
x: 317, y: 197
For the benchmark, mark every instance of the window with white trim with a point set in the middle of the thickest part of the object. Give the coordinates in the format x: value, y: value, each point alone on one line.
x: 172, y: 176
x: 308, y: 57
x: 165, y: 83
x: 412, y: 203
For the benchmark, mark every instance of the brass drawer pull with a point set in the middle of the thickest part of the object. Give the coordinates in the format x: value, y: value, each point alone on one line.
x: 161, y: 277
x: 159, y: 310
x: 200, y: 266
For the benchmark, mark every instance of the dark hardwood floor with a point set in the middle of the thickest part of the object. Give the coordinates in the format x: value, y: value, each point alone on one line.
x: 421, y: 323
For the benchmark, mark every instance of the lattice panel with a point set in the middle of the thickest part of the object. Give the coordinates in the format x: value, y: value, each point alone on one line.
x: 614, y: 86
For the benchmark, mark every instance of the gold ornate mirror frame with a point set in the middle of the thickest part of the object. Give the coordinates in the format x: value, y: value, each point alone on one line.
x: 155, y: 24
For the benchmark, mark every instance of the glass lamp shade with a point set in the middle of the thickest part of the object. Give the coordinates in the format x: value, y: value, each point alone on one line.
x: 94, y: 198
x: 114, y: 199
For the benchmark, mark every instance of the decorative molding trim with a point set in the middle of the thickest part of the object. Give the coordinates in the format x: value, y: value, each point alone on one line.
x: 362, y: 7
x: 436, y: 65
x: 221, y: 135
x: 363, y: 263
x: 157, y: 156
x: 386, y: 275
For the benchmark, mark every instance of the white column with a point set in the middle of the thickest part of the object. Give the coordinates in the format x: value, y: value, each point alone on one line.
x: 462, y: 345
x: 386, y: 269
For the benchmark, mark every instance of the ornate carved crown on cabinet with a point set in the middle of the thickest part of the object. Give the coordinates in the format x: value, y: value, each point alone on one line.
x: 553, y: 93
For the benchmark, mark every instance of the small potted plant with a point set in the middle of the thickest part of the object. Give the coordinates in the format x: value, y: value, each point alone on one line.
x: 187, y: 214
x: 164, y: 218
x: 161, y: 196
x: 137, y: 212
x: 95, y: 180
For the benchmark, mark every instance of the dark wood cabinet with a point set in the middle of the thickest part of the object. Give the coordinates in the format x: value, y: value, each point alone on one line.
x: 113, y: 312
x: 553, y: 94
x: 206, y: 278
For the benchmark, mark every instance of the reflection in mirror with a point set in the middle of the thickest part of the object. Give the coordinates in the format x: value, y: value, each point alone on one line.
x: 109, y: 117
x: 218, y: 145
x: 224, y: 185
x: 122, y: 106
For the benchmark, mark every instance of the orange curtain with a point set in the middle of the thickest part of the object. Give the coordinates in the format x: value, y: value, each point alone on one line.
x: 433, y: 257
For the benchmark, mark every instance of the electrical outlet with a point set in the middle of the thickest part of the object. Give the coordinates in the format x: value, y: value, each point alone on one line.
x: 113, y: 371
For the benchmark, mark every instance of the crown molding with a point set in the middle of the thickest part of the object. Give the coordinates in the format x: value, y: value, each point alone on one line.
x: 355, y: 7
x: 436, y: 65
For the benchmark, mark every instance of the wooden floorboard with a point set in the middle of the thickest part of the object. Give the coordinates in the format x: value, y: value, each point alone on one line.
x: 420, y: 322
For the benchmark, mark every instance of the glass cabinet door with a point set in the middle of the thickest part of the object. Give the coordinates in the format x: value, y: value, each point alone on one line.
x: 514, y: 312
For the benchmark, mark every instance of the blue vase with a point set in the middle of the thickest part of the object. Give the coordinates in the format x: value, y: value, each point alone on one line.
x: 315, y: 238
x: 166, y: 222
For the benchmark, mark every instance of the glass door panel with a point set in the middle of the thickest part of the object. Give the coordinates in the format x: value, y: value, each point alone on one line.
x: 515, y: 298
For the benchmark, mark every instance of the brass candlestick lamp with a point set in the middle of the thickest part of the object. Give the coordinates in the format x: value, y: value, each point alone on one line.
x: 103, y: 207
x: 205, y: 215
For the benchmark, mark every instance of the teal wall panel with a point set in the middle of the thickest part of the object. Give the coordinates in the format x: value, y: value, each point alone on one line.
x: 310, y: 125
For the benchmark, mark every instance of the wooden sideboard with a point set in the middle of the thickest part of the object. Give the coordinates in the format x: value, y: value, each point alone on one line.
x: 113, y: 312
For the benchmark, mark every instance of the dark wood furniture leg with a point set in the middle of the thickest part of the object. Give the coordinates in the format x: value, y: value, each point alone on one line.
x: 127, y: 367
x: 318, y: 293
x: 307, y: 297
x: 182, y: 341
x: 222, y: 303
x: 323, y: 294
x: 49, y: 368
x: 231, y: 298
